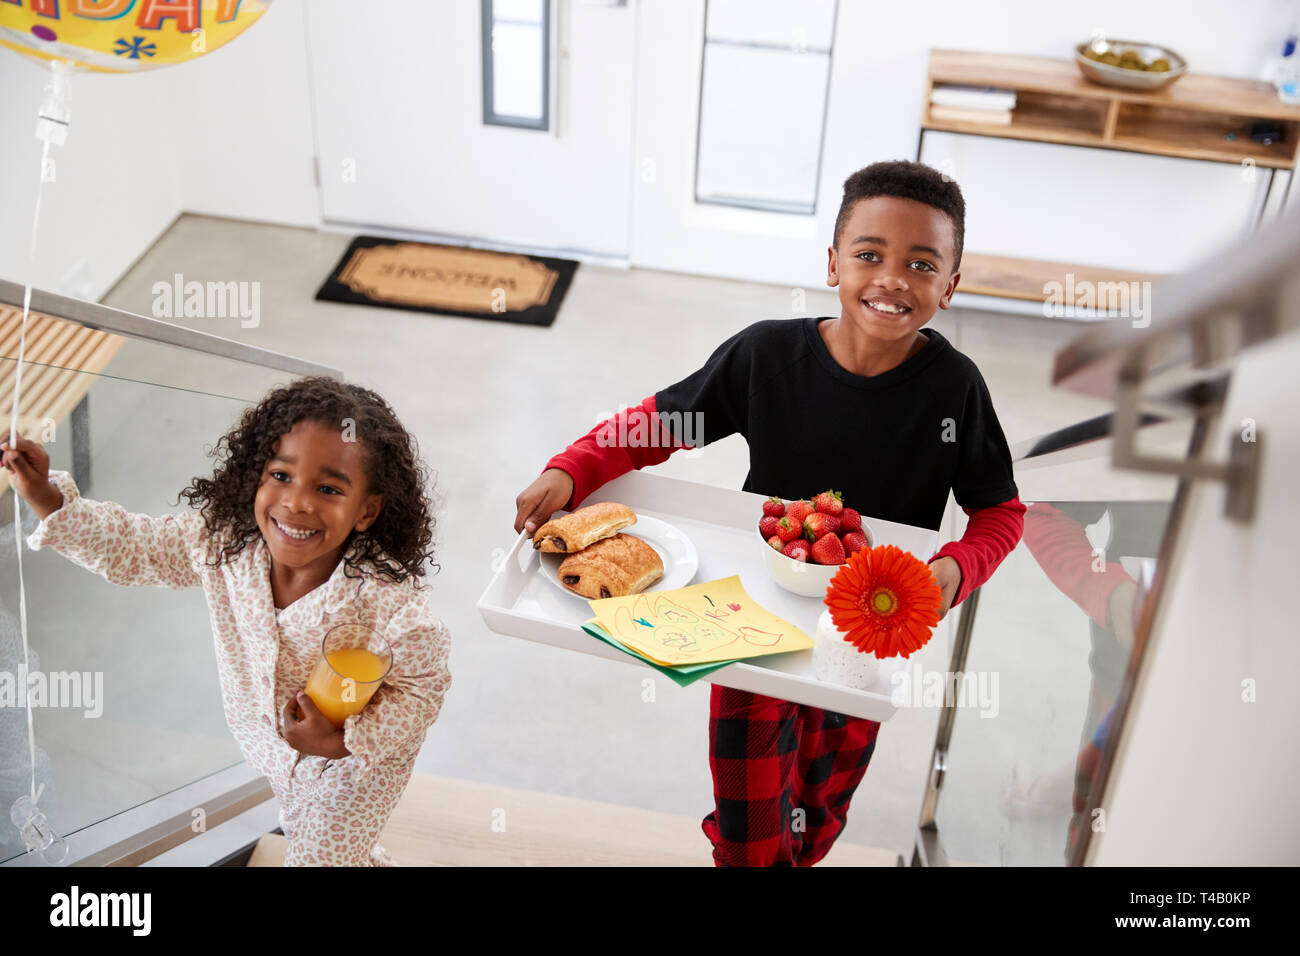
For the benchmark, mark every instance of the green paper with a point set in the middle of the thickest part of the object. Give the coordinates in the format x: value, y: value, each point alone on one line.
x: 681, y: 674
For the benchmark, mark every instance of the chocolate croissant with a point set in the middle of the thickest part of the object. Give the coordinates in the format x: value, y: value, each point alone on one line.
x: 612, y: 567
x: 582, y: 528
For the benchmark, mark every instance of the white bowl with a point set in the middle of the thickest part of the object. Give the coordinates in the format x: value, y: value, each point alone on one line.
x: 809, y: 578
x: 801, y: 577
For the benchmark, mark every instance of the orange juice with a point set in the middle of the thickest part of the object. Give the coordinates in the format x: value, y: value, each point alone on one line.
x: 344, y: 680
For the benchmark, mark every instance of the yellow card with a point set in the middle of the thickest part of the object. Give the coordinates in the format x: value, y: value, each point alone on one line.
x: 714, y: 621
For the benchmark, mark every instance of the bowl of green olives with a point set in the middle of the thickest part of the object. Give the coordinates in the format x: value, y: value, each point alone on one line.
x: 1128, y: 63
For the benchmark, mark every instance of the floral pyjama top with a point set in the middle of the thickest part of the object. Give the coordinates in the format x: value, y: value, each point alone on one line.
x: 331, y: 810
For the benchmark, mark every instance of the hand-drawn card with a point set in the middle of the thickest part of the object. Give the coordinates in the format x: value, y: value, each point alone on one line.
x: 682, y: 675
x: 713, y: 621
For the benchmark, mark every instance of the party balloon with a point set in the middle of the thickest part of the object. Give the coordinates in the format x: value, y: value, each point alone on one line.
x: 123, y: 36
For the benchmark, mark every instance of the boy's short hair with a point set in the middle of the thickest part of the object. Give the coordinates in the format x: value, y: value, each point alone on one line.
x: 906, y: 180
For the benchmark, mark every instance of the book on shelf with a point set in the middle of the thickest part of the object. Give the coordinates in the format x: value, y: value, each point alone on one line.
x: 954, y: 114
x: 973, y: 97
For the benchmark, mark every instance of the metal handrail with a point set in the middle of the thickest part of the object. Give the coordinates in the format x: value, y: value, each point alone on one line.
x: 1073, y: 436
x: 1207, y: 313
x: 105, y: 318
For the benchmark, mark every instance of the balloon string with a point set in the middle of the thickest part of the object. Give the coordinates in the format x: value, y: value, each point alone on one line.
x: 13, y: 440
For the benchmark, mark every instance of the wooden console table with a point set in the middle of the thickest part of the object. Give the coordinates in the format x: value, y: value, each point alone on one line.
x: 1196, y: 117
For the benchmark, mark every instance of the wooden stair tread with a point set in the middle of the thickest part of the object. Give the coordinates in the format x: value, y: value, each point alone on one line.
x: 1019, y: 278
x: 61, y: 360
x: 441, y: 821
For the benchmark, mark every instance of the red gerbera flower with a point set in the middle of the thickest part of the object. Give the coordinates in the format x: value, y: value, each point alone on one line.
x: 885, y: 600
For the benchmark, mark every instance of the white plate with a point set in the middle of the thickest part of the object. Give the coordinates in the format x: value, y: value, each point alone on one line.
x: 675, y: 550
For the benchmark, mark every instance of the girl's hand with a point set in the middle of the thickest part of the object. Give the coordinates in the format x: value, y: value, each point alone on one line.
x: 1120, y: 608
x: 29, y: 469
x: 313, y: 734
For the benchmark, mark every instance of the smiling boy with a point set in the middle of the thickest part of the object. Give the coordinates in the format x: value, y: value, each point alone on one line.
x: 868, y: 403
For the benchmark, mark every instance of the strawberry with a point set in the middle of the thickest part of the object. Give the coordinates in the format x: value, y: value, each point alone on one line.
x: 767, y: 526
x: 776, y: 543
x: 787, y: 531
x: 828, y: 550
x: 817, y: 524
x: 797, y: 549
x: 853, y: 542
x: 850, y: 520
x: 799, y: 510
x: 829, y: 502
x: 774, y: 507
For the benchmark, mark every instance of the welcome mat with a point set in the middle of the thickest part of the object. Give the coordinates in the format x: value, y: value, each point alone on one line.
x: 450, y: 280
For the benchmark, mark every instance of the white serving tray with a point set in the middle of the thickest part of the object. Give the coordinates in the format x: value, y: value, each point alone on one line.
x: 724, y: 526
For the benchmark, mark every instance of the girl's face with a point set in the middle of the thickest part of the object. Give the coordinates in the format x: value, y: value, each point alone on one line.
x: 312, y: 495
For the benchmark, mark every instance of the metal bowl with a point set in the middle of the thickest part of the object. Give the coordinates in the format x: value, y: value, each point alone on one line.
x: 1108, y: 75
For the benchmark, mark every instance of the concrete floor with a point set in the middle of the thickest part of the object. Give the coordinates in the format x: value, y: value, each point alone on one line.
x: 488, y: 408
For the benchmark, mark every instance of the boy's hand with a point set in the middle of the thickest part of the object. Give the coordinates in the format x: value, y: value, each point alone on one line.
x: 947, y: 572
x: 313, y: 734
x: 1120, y: 607
x: 29, y: 469
x: 542, y: 498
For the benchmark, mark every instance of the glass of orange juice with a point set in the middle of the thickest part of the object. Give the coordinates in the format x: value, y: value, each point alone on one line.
x: 354, y: 660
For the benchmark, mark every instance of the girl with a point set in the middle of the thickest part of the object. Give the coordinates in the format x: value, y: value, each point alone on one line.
x: 315, y: 515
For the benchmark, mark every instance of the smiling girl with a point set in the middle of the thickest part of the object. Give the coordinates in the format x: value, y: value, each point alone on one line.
x: 316, y: 515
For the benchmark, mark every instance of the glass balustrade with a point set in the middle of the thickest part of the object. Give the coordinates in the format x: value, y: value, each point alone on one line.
x: 131, y: 705
x: 1050, y: 642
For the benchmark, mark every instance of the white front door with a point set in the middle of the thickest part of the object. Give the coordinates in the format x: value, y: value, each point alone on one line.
x: 398, y: 94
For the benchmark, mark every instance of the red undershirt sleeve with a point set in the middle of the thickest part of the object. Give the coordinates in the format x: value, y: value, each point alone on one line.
x: 634, y: 438
x: 1061, y: 547
x: 990, y: 536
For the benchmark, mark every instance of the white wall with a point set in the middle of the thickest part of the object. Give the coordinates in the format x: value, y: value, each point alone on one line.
x: 228, y: 134
x: 117, y: 184
x: 1099, y: 207
x: 232, y: 134
x: 246, y: 150
x: 877, y: 83
x: 1203, y: 778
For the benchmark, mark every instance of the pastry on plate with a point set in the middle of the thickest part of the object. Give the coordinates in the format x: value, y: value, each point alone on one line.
x: 612, y: 567
x: 582, y: 528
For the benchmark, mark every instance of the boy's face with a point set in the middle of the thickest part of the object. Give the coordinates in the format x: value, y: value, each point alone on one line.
x: 312, y: 495
x: 893, y: 253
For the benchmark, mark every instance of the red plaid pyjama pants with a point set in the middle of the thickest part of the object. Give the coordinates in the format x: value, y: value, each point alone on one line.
x: 770, y: 758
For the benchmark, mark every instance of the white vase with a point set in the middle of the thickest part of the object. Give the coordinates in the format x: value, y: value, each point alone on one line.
x: 836, y: 661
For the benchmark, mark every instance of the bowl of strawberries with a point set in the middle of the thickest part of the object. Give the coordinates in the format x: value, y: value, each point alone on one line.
x: 806, y: 541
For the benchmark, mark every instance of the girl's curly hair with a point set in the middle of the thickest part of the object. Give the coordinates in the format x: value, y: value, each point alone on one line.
x: 396, y: 546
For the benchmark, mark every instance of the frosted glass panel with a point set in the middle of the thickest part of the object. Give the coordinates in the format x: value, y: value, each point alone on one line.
x: 147, y: 716
x: 811, y: 23
x: 517, y: 70
x: 515, y: 63
x: 520, y: 10
x: 761, y: 117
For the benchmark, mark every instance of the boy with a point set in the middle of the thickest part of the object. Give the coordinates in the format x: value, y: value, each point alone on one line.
x: 866, y: 404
